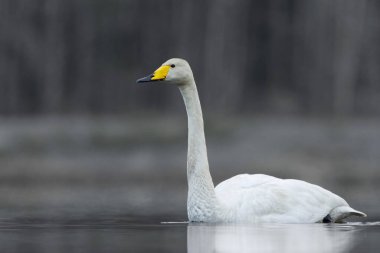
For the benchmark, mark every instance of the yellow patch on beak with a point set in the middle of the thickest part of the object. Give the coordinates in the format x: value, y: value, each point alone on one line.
x: 161, y: 73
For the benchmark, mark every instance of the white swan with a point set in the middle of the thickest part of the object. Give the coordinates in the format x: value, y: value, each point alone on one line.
x: 243, y: 198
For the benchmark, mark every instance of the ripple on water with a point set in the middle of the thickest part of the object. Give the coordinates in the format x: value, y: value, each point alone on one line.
x: 125, y: 234
x: 373, y: 223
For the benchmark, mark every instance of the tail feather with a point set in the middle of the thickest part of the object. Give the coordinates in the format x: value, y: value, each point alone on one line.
x: 341, y: 212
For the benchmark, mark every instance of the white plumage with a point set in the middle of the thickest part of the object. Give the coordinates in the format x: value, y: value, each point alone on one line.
x: 262, y: 198
x: 243, y: 198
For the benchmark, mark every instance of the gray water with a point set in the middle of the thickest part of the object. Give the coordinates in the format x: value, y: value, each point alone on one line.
x: 136, y: 234
x: 106, y: 185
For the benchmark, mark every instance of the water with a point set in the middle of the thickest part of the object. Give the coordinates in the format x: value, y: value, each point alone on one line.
x: 66, y: 185
x: 131, y: 234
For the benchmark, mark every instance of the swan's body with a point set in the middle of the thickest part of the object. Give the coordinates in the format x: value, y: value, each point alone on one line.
x: 243, y: 198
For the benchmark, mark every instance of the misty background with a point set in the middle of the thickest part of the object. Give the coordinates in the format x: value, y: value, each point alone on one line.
x: 289, y: 88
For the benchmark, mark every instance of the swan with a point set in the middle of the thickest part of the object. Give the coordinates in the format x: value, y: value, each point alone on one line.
x: 246, y: 198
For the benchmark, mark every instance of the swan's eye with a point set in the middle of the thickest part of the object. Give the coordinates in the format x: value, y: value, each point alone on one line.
x: 172, y: 66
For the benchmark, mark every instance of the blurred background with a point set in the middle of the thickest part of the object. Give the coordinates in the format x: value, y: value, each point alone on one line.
x: 289, y: 88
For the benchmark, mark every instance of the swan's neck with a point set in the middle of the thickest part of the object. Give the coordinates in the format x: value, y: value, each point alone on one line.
x: 201, y: 199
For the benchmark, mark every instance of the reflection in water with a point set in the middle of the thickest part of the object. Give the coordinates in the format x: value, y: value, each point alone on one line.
x: 269, y: 238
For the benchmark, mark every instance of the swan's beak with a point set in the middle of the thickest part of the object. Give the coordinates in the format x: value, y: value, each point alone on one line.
x: 158, y: 75
x: 145, y: 79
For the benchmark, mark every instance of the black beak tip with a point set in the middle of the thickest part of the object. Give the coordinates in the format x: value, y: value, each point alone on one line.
x: 144, y: 79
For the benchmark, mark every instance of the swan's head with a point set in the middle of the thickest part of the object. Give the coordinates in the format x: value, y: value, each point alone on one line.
x: 175, y: 71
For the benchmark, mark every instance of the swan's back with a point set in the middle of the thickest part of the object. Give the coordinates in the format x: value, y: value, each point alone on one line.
x: 262, y: 198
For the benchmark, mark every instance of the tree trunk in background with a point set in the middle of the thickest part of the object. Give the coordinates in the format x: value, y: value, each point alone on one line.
x: 13, y: 91
x: 225, y: 53
x: 4, y: 22
x: 371, y: 70
x: 350, y: 17
x: 54, y: 60
x: 279, y: 58
x: 10, y: 80
x: 84, y: 58
x: 313, y: 48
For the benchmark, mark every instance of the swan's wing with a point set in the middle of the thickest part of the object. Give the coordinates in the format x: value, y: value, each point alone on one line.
x: 262, y: 198
x: 245, y: 181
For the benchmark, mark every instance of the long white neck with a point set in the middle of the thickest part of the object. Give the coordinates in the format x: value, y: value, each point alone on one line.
x: 201, y: 199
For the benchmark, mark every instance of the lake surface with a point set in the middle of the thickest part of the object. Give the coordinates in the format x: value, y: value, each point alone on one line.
x: 111, y: 185
x: 134, y: 234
